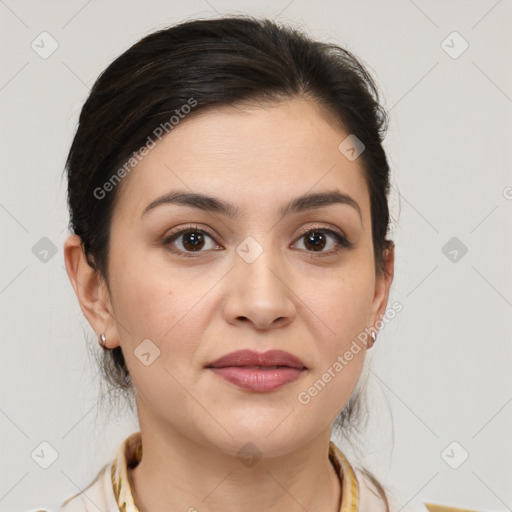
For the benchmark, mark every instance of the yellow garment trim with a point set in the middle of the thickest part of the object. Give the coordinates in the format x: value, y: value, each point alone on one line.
x: 348, y: 480
x: 432, y: 507
x: 129, y: 455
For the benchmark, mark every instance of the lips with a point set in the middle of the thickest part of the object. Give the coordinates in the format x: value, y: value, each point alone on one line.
x: 258, y: 372
x: 250, y: 358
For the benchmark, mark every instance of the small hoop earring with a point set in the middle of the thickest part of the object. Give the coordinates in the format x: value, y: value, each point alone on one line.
x: 103, y: 341
x: 374, y: 338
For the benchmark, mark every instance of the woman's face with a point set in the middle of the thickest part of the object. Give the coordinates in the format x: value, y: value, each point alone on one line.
x: 251, y: 280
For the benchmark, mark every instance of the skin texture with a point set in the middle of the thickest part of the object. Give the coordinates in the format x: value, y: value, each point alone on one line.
x: 196, y: 309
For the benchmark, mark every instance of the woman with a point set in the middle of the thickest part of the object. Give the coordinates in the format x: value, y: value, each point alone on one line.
x: 228, y: 200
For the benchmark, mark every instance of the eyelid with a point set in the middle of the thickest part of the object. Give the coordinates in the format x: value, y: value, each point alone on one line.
x: 324, y: 227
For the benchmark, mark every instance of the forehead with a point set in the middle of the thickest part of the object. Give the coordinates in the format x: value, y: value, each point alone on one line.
x: 251, y: 156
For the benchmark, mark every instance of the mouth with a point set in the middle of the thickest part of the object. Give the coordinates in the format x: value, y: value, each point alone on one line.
x: 258, y: 372
x: 257, y: 367
x: 250, y: 358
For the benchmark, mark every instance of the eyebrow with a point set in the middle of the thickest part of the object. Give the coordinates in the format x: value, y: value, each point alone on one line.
x: 214, y: 205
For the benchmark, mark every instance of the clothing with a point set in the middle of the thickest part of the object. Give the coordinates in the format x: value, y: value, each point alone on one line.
x: 110, y: 489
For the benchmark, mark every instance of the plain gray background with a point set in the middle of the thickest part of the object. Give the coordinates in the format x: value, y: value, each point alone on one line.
x: 440, y: 370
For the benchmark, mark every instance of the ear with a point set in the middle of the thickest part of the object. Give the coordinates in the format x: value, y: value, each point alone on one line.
x: 91, y: 290
x: 382, y: 287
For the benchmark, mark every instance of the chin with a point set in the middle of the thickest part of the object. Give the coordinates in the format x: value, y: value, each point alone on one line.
x: 270, y: 436
x: 257, y: 446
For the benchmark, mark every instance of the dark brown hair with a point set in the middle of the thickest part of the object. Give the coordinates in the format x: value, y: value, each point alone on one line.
x: 218, y: 62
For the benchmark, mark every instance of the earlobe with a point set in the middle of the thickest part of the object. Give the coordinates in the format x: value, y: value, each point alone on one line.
x: 89, y: 287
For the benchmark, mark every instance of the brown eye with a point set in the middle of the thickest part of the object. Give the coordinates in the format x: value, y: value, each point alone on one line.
x: 190, y: 240
x: 317, y: 239
x: 193, y: 241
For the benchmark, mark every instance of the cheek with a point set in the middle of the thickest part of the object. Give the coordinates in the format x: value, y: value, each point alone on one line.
x: 152, y: 303
x: 340, y: 306
x: 148, y: 298
x: 339, y: 303
x: 328, y: 389
x: 154, y: 317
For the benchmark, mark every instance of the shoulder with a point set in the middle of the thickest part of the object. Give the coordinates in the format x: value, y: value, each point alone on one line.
x: 371, y: 500
x: 371, y: 497
x: 98, y: 495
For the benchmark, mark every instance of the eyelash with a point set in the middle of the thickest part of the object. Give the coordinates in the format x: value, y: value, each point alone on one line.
x: 342, y: 242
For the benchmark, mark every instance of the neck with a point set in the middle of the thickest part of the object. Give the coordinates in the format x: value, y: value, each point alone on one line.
x: 176, y: 473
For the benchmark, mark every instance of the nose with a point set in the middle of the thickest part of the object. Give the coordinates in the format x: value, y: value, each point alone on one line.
x: 260, y: 293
